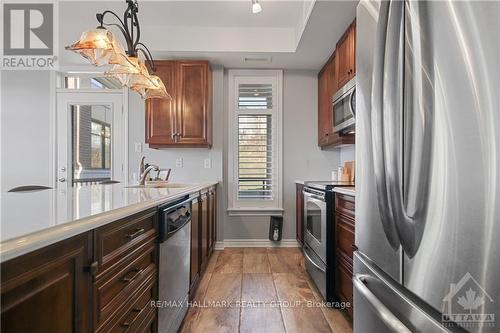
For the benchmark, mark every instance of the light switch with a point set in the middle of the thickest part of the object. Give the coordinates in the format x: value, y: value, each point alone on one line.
x: 207, y: 163
x: 179, y: 162
x: 138, y: 147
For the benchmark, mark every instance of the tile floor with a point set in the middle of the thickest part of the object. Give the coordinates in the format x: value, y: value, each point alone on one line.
x: 262, y: 281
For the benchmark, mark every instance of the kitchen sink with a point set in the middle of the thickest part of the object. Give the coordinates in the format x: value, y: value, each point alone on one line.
x: 159, y: 185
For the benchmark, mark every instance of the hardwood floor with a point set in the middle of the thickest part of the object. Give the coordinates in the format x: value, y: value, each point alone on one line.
x: 259, y: 290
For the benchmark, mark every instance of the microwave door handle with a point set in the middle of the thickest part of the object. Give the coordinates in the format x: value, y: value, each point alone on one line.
x: 352, y: 107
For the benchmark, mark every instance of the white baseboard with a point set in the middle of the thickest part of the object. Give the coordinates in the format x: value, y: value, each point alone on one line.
x: 255, y: 243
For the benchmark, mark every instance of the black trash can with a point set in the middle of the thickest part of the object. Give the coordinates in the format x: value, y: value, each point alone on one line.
x: 275, y: 228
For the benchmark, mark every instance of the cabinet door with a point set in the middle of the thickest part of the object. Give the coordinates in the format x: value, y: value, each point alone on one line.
x: 323, y: 109
x: 299, y: 213
x: 211, y: 221
x: 48, y: 290
x: 343, y: 65
x: 352, y: 49
x: 204, y: 231
x: 194, y: 109
x: 160, y: 113
x: 195, y: 242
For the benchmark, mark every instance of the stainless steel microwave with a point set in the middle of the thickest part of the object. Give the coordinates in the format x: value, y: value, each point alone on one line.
x: 344, y: 108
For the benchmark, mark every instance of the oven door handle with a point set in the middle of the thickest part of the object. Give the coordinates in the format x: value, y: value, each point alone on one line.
x: 313, y: 196
x: 312, y: 261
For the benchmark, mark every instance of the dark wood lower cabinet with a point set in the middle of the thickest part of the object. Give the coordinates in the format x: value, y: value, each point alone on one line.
x: 212, y: 225
x: 299, y: 214
x: 195, y: 243
x: 204, y: 234
x: 103, y: 280
x: 48, y: 290
x: 344, y: 247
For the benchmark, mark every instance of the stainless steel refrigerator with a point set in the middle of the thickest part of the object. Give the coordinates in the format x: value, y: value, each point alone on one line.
x: 427, y: 167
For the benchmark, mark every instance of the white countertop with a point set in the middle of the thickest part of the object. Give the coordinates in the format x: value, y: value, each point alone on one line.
x: 32, y: 220
x: 345, y: 190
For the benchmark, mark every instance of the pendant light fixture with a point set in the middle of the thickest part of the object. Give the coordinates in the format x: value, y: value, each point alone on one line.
x: 100, y: 47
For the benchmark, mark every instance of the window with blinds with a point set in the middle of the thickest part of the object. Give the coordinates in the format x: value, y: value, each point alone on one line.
x: 254, y: 148
x: 255, y: 157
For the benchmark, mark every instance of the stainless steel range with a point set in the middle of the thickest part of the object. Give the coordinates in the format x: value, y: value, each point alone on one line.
x: 319, y: 238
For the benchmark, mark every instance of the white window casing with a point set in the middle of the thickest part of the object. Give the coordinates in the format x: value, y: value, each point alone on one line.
x: 255, y: 142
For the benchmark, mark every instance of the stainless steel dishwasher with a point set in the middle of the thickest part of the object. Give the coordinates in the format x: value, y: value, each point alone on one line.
x: 174, y: 264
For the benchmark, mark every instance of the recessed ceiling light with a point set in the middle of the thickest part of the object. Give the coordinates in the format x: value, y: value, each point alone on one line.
x: 256, y: 7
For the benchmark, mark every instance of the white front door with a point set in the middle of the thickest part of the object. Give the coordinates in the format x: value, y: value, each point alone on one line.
x: 91, y: 142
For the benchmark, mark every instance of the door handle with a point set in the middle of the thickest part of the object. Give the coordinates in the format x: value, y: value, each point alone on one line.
x: 128, y: 323
x: 418, y: 122
x: 136, y: 271
x: 312, y: 261
x: 384, y: 106
x: 135, y: 234
x: 390, y: 320
x: 62, y: 179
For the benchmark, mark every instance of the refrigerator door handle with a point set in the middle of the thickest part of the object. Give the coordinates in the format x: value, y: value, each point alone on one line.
x: 389, y: 319
x: 418, y: 105
x: 386, y: 105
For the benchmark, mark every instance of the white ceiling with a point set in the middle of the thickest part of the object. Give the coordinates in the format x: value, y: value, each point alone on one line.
x: 288, y: 34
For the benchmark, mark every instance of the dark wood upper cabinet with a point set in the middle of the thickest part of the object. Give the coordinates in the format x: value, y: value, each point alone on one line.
x: 338, y: 70
x: 345, y: 68
x: 324, y: 103
x: 48, y: 290
x: 186, y: 119
x: 160, y: 113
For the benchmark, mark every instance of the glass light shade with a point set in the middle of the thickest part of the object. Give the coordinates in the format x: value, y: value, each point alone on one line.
x: 256, y: 7
x: 125, y: 71
x: 96, y: 45
x: 157, y: 90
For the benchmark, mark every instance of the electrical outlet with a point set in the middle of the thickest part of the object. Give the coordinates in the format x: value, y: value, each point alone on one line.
x: 138, y: 147
x: 207, y: 163
x: 179, y: 162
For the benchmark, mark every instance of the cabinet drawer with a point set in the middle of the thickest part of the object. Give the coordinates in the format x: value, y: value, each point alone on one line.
x: 345, y: 204
x: 137, y: 309
x: 148, y: 325
x: 345, y: 235
x: 117, y: 287
x: 114, y: 241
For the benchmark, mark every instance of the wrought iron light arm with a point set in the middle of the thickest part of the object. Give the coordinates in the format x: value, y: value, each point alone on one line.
x: 129, y: 27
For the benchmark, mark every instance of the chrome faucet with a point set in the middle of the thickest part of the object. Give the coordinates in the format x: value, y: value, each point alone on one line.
x: 144, y: 175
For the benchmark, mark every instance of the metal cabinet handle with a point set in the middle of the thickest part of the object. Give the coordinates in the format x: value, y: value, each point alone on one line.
x: 92, y: 268
x: 389, y: 319
x: 62, y: 179
x: 128, y: 323
x: 137, y: 271
x: 135, y: 234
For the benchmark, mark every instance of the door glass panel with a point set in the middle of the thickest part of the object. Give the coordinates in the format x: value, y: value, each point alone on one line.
x: 98, y: 82
x: 91, y: 148
x: 313, y: 222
